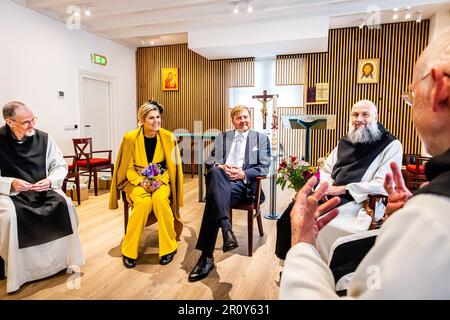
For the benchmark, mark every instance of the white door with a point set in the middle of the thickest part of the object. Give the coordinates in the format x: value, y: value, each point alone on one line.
x: 95, y: 114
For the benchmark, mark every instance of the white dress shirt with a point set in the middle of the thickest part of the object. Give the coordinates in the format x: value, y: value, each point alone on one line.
x: 241, y: 151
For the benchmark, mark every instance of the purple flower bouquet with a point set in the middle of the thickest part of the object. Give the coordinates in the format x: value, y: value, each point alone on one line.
x: 151, y: 172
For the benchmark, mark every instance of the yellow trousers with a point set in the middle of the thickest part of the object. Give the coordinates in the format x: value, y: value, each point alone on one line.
x: 143, y: 204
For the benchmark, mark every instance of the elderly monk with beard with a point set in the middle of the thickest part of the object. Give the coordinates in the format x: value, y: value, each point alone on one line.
x: 38, y: 223
x: 354, y: 169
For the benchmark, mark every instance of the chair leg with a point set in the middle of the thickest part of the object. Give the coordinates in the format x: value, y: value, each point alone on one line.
x: 77, y: 186
x: 250, y: 231
x: 260, y: 226
x: 89, y: 183
x: 125, y: 216
x: 192, y: 158
x: 95, y: 183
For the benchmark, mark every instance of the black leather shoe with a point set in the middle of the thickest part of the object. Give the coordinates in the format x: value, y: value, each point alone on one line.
x: 202, y: 268
x: 229, y: 241
x: 128, y: 262
x: 165, y: 259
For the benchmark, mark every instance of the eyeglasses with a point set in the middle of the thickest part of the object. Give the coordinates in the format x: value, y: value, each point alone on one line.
x: 408, y: 96
x: 27, y: 123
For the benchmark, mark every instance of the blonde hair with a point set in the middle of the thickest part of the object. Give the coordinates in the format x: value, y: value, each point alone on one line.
x: 146, y: 108
x: 238, y: 109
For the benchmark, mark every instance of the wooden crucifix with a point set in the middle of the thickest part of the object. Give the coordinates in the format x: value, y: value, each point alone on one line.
x: 264, y: 98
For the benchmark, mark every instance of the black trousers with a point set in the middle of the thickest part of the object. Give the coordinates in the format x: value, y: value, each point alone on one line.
x: 2, y: 269
x: 283, y: 243
x: 221, y: 195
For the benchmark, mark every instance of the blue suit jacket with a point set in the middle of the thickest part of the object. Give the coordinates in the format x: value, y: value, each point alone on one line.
x: 257, y: 156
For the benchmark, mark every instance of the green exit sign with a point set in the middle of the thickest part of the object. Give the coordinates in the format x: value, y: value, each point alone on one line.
x: 98, y: 59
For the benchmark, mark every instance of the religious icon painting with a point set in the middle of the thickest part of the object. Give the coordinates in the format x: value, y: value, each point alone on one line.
x: 169, y: 78
x: 368, y: 70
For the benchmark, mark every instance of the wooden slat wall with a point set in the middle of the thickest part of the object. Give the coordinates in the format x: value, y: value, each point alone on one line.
x: 322, y: 141
x: 293, y: 141
x: 202, y: 94
x: 203, y: 87
x: 289, y: 70
x: 397, y: 46
x: 241, y: 72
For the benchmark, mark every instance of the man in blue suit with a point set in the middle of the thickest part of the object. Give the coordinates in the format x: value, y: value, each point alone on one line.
x: 238, y: 157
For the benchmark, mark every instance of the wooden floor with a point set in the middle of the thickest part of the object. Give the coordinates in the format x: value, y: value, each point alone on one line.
x: 236, y: 275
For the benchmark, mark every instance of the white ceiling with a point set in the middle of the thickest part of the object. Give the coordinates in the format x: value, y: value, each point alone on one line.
x: 273, y: 27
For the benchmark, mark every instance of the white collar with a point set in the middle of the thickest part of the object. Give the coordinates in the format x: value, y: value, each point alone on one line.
x: 244, y: 134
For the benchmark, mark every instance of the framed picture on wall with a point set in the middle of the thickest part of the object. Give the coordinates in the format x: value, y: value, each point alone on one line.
x: 368, y: 70
x: 169, y: 78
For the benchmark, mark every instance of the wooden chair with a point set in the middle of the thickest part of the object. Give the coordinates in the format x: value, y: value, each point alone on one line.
x: 126, y: 209
x: 370, y: 206
x: 415, y: 170
x: 72, y: 174
x: 253, y: 211
x: 86, y: 163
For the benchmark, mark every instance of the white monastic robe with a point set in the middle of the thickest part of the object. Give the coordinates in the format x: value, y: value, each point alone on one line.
x: 410, y: 258
x: 371, y: 183
x: 40, y: 261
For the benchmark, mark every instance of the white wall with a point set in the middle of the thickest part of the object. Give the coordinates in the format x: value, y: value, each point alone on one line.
x: 39, y: 56
x: 439, y: 22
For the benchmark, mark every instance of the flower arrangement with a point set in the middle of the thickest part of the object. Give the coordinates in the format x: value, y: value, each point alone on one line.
x: 150, y: 173
x: 295, y: 173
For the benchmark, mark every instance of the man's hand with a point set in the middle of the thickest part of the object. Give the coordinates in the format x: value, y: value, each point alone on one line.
x: 305, y: 222
x: 20, y: 185
x: 236, y: 173
x: 335, y: 190
x: 42, y: 185
x: 398, y: 194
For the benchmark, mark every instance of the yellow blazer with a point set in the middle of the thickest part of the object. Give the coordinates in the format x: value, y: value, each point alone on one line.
x: 174, y: 169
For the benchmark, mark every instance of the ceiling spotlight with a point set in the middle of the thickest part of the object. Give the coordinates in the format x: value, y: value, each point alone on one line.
x: 236, y: 9
x: 408, y: 15
x: 152, y: 42
x: 249, y: 8
x: 87, y: 11
x: 395, y: 9
x: 419, y: 17
x: 395, y: 16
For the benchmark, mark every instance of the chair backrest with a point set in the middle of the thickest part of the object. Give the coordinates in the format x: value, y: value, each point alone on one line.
x: 415, y: 170
x: 82, y: 148
x: 72, y: 167
x: 371, y: 206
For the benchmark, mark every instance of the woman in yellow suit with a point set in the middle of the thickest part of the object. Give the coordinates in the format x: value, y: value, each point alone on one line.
x: 149, y: 144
